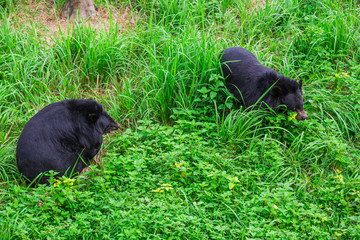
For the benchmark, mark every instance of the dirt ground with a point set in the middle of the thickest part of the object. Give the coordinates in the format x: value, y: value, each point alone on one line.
x: 259, y: 2
x: 43, y: 16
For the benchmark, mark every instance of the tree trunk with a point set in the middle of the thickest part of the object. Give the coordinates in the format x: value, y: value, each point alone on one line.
x: 82, y: 8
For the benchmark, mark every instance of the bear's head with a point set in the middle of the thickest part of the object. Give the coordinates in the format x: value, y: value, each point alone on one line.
x: 105, y: 123
x: 289, y: 94
x: 95, y: 114
x: 101, y: 119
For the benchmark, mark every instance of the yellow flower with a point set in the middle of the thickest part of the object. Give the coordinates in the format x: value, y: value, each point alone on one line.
x: 57, y: 182
x: 345, y: 74
x: 178, y: 164
x: 166, y: 186
x: 340, y: 179
x: 337, y: 75
x: 159, y: 190
x: 69, y: 181
x: 292, y: 116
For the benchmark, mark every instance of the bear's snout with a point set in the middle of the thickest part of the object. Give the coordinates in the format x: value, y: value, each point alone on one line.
x: 113, y: 127
x: 301, y: 116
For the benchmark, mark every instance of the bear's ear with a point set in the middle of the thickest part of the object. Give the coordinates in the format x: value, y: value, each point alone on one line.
x: 300, y: 83
x: 93, y: 117
x: 276, y: 92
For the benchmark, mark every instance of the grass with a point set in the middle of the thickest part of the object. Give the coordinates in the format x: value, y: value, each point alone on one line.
x: 190, y: 163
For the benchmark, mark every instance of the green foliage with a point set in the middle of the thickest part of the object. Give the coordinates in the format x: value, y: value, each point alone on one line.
x: 159, y: 180
x: 97, y: 55
x: 190, y: 163
x: 6, y: 4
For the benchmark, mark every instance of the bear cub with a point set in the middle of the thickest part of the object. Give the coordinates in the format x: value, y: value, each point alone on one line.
x: 64, y: 137
x: 247, y: 79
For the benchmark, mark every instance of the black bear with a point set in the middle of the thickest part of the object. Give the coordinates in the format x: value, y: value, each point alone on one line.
x: 64, y: 137
x: 248, y: 80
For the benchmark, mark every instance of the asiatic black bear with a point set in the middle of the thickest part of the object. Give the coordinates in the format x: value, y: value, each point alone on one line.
x: 64, y: 137
x: 248, y: 80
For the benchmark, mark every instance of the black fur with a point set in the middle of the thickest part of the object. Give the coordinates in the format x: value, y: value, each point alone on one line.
x: 244, y: 73
x: 55, y: 137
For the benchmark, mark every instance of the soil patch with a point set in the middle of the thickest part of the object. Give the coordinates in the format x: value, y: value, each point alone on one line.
x: 259, y: 2
x: 43, y: 16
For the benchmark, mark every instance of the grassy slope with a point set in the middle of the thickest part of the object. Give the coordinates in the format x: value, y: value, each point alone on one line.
x: 190, y: 164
